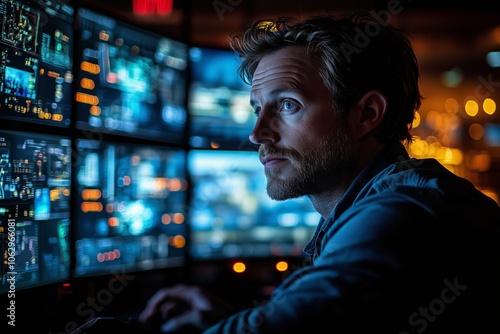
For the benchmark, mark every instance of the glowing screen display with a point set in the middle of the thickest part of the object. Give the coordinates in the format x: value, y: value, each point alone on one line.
x: 35, y: 192
x: 219, y: 101
x: 130, y: 207
x: 129, y: 82
x: 231, y: 214
x: 36, y: 61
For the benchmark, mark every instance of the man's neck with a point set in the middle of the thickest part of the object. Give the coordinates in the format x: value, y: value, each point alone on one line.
x: 325, y: 202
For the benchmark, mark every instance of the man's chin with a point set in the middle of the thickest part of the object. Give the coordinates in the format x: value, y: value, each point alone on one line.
x: 280, y: 192
x: 276, y: 197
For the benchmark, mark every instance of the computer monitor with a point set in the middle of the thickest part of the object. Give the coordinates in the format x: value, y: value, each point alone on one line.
x: 231, y: 215
x: 129, y: 81
x: 130, y: 207
x: 35, y: 192
x: 36, y: 61
x: 218, y: 101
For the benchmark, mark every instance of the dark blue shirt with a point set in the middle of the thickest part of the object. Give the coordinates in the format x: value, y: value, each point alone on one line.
x: 409, y: 248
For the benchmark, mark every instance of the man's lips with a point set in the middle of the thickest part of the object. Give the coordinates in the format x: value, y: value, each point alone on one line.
x: 269, y: 161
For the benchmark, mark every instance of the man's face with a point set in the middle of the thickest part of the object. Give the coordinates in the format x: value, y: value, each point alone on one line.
x: 305, y: 148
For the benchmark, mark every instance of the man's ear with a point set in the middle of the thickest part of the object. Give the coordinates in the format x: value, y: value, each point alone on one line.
x: 368, y: 113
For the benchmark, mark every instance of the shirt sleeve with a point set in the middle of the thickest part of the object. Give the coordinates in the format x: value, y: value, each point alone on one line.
x: 364, y: 256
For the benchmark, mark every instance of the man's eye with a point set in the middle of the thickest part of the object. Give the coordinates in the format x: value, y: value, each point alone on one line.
x: 288, y: 105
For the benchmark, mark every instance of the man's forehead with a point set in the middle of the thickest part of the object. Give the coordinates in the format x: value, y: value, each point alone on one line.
x: 286, y: 56
x: 288, y: 63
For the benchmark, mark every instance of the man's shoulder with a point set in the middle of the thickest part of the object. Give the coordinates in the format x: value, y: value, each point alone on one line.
x: 432, y: 187
x: 420, y: 174
x: 417, y: 175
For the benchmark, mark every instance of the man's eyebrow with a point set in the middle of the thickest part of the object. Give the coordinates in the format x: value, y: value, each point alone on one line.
x: 279, y: 90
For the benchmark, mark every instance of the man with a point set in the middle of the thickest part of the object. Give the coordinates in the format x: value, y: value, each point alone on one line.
x: 403, y: 246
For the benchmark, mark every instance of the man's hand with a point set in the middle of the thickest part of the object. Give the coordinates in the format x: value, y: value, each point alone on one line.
x: 183, y: 306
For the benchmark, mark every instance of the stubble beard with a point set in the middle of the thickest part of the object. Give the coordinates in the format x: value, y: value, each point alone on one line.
x: 324, y: 167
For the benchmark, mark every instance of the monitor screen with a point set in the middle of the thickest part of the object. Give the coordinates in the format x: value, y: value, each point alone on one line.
x: 231, y: 215
x: 218, y: 101
x: 35, y: 189
x: 129, y: 81
x: 36, y: 60
x: 130, y: 207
